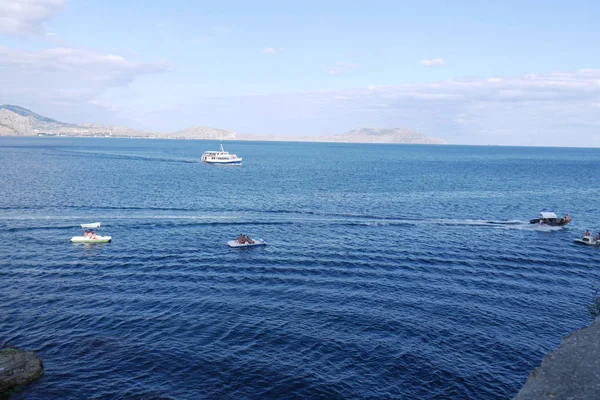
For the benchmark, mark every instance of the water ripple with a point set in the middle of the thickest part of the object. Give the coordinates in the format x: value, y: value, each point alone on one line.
x: 416, y: 277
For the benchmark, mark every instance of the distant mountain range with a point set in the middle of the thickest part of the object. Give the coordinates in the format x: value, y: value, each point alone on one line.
x: 19, y: 121
x: 394, y: 135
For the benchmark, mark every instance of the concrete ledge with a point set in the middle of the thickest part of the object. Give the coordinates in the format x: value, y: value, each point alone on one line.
x: 572, y: 371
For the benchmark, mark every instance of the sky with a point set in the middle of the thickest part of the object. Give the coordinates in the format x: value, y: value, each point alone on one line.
x: 470, y: 72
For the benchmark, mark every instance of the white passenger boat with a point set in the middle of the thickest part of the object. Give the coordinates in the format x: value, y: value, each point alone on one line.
x: 221, y: 157
x: 89, y: 236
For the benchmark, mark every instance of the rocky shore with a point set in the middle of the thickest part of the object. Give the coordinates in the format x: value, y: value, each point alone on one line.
x: 18, y: 367
x: 572, y: 371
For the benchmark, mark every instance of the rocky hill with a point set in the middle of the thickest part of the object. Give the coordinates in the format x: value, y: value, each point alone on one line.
x: 19, y: 121
x: 12, y: 124
x: 394, y: 135
x: 203, y: 132
x: 362, y: 135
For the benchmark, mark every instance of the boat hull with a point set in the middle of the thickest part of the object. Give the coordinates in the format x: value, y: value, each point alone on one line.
x: 258, y: 242
x: 589, y: 242
x: 223, y: 162
x: 540, y: 221
x: 99, y: 239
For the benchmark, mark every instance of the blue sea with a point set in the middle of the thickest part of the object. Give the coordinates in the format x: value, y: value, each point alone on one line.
x: 391, y: 271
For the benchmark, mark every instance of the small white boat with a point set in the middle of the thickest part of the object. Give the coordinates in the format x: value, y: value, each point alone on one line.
x: 90, y: 236
x: 588, y: 240
x: 550, y: 218
x: 255, y: 242
x: 221, y: 157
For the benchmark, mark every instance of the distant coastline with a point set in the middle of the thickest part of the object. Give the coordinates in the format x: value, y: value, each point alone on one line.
x: 19, y: 121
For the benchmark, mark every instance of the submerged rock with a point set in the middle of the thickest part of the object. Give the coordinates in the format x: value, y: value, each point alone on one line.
x: 18, y: 367
x: 572, y: 371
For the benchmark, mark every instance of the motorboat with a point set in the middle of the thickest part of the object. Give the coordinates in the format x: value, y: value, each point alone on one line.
x: 247, y: 243
x: 589, y: 240
x: 550, y: 218
x: 221, y: 157
x: 89, y: 236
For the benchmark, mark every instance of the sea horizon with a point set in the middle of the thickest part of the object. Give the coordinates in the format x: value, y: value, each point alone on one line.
x: 307, y: 141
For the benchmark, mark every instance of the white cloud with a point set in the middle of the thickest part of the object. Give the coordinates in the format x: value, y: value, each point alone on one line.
x: 27, y: 17
x: 271, y: 50
x: 559, y: 109
x: 107, y: 105
x: 66, y: 76
x: 340, y: 68
x: 73, y: 65
x: 433, y: 62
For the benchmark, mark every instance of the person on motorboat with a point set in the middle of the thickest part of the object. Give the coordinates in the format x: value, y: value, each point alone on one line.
x: 243, y: 239
x: 566, y: 218
x: 587, y: 233
x: 597, y: 238
x: 248, y: 239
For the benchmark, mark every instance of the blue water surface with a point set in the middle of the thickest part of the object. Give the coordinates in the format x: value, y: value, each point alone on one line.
x: 391, y: 271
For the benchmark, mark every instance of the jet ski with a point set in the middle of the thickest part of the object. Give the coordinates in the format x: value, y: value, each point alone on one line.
x: 588, y: 240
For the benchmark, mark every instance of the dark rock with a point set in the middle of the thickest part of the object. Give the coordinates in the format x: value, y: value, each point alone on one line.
x: 572, y: 371
x: 18, y: 367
